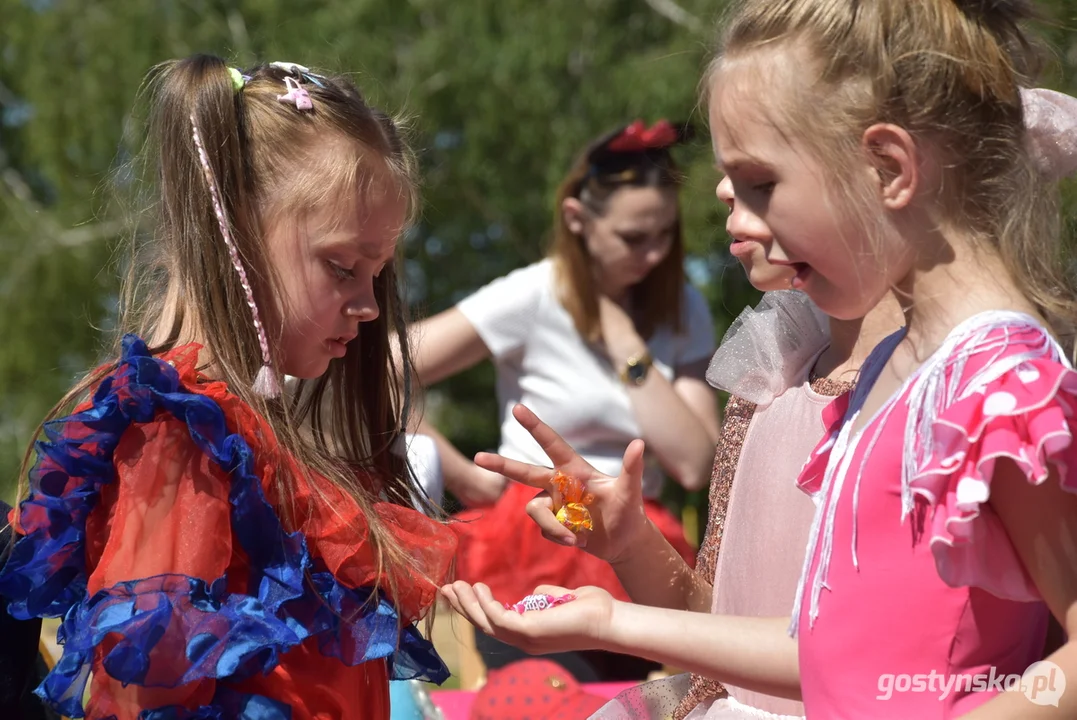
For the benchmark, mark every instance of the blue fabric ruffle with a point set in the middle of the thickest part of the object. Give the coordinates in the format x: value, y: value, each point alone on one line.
x: 226, y: 636
x: 227, y: 705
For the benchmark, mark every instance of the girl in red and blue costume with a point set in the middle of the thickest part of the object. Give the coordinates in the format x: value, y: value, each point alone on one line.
x: 218, y: 548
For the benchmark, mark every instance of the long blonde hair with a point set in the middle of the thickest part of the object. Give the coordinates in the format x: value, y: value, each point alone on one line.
x: 947, y: 71
x: 346, y: 424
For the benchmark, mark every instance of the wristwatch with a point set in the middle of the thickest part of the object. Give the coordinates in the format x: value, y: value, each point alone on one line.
x: 636, y: 368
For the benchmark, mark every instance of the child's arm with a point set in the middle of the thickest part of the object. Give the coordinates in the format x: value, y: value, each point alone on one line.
x: 1041, y: 522
x: 754, y: 653
x: 651, y: 571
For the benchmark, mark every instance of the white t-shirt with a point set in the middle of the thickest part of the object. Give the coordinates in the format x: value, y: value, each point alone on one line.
x: 425, y: 461
x: 544, y: 363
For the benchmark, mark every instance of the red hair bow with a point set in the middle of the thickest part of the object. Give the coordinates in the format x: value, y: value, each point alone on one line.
x: 637, y: 137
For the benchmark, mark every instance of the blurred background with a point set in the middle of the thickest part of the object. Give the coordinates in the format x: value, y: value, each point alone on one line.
x: 500, y: 95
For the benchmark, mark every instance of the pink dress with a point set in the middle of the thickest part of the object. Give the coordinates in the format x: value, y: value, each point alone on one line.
x: 914, y: 603
x: 766, y: 526
x: 766, y: 358
x: 759, y: 528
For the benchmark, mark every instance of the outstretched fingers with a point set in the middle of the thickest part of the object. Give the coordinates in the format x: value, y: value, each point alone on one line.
x: 533, y: 475
x: 632, y: 464
x: 463, y: 600
x: 477, y: 604
x: 555, y: 447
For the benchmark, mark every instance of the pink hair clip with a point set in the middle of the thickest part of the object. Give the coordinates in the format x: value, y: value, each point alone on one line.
x: 296, y: 94
x: 539, y: 602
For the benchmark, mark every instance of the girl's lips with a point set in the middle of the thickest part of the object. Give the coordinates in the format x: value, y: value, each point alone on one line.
x: 740, y: 248
x: 336, y: 348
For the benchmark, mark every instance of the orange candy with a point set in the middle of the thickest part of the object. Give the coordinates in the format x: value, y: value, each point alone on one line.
x: 573, y: 513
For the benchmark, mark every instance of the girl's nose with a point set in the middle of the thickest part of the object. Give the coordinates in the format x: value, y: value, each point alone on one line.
x: 364, y: 306
x: 724, y: 191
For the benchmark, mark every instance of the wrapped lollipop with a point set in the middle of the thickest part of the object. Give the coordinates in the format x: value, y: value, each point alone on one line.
x: 573, y: 512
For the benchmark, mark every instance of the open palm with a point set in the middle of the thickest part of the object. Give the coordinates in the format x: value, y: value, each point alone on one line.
x: 580, y: 624
x: 617, y: 510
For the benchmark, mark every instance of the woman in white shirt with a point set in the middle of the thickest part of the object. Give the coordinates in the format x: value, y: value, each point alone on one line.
x: 605, y: 341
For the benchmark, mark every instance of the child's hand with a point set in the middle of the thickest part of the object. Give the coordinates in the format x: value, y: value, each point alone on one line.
x: 616, y: 511
x: 580, y: 624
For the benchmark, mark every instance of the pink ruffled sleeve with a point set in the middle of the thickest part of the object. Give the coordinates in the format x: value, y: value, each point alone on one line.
x: 1017, y: 403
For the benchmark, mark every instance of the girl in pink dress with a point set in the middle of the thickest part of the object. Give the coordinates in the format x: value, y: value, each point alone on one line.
x: 890, y: 155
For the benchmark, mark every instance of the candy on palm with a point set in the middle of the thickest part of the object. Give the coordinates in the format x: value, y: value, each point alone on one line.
x: 539, y: 602
x: 573, y: 512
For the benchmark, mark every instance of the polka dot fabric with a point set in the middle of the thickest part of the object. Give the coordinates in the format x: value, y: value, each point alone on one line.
x: 1012, y: 394
x: 1024, y: 415
x: 533, y: 690
x: 923, y: 577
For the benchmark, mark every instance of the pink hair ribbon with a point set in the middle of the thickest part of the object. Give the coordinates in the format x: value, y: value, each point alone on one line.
x: 265, y: 382
x: 1051, y: 122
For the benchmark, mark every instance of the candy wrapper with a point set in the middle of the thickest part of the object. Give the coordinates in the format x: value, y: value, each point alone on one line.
x: 573, y: 512
x: 539, y: 602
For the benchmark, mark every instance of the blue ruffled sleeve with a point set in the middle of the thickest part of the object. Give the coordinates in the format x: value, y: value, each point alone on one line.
x: 148, y: 532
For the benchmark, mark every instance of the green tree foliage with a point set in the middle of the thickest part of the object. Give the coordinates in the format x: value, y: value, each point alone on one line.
x: 500, y: 95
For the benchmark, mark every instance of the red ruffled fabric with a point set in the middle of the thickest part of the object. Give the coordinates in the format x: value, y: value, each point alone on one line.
x: 501, y: 547
x: 169, y: 512
x: 1023, y: 411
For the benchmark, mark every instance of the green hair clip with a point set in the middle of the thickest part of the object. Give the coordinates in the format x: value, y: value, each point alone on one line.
x: 238, y: 79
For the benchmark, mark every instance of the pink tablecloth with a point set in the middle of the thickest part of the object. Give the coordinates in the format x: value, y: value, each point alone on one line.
x: 456, y: 704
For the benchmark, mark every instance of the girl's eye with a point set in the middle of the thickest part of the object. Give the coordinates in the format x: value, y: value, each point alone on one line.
x: 765, y: 188
x: 339, y: 271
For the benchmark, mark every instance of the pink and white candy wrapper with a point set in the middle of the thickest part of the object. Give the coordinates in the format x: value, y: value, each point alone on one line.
x: 539, y: 602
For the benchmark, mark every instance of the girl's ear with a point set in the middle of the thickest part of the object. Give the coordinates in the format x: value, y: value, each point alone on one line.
x: 895, y: 163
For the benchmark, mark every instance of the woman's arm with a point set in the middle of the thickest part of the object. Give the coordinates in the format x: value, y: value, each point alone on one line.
x: 1041, y: 522
x: 443, y: 346
x: 690, y: 384
x: 471, y: 484
x: 679, y: 419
